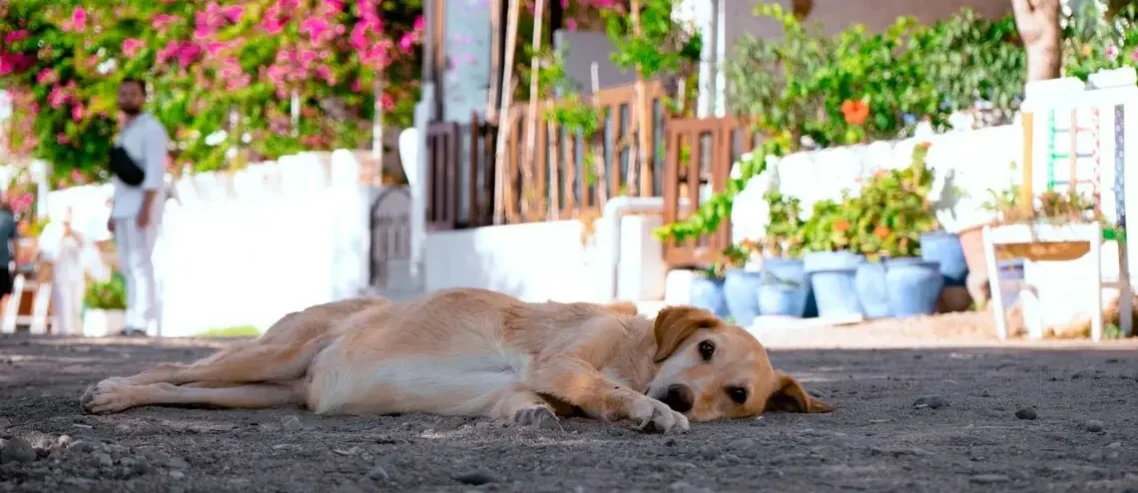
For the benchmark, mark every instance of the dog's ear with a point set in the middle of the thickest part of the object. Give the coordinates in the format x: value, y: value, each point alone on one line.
x: 624, y: 308
x: 676, y: 323
x: 789, y: 396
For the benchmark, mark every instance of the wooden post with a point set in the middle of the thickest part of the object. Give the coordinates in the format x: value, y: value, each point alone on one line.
x: 504, y: 120
x: 529, y: 197
x: 1026, y: 196
x: 598, y: 156
x: 643, y: 121
x: 495, y: 60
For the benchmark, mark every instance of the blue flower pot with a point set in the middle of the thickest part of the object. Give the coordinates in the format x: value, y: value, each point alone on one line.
x: 871, y: 289
x: 944, y: 247
x: 913, y: 286
x: 1010, y: 270
x: 832, y: 280
x: 707, y: 293
x: 741, y: 290
x: 785, y: 287
x: 811, y: 300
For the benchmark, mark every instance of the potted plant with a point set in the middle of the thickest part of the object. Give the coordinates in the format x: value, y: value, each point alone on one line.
x: 707, y: 290
x: 104, y: 307
x: 831, y: 257
x: 893, y: 211
x: 785, y: 287
x: 740, y: 283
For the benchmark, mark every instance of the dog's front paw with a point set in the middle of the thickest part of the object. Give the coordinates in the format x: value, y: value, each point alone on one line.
x: 652, y: 415
x: 106, y: 397
x: 539, y: 416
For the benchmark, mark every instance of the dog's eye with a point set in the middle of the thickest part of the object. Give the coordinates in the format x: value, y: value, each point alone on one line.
x: 737, y: 394
x: 706, y: 350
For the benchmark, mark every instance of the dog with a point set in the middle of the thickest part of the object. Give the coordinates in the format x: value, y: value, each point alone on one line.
x: 480, y: 353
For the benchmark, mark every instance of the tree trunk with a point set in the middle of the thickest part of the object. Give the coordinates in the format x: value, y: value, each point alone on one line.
x: 1038, y: 24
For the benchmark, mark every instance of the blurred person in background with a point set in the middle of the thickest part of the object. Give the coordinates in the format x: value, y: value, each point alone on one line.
x: 138, y: 164
x: 8, y: 228
x: 63, y: 246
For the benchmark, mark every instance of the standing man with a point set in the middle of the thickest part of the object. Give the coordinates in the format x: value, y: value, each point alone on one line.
x: 136, y: 212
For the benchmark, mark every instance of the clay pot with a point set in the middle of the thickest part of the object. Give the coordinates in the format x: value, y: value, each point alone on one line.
x: 972, y: 242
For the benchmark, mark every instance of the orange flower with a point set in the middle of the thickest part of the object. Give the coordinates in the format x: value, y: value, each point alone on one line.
x: 841, y: 225
x: 855, y: 111
x: 925, y: 145
x: 881, y: 232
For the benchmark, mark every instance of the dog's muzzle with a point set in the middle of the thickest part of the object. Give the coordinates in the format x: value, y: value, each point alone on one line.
x: 678, y: 397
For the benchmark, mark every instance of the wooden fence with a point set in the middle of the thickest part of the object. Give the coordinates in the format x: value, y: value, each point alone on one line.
x: 461, y: 168
x: 700, y: 153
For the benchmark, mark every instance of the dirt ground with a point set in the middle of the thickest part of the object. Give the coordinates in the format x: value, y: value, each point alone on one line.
x: 929, y: 419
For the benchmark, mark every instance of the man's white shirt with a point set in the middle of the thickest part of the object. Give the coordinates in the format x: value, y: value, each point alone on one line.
x: 145, y: 140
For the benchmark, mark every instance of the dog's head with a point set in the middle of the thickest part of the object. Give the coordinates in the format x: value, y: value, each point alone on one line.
x: 710, y: 370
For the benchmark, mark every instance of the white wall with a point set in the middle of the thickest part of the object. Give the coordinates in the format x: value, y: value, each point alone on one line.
x: 250, y: 247
x: 535, y: 261
x: 972, y: 161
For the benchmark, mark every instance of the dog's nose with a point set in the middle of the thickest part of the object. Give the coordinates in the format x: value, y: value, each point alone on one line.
x: 678, y: 397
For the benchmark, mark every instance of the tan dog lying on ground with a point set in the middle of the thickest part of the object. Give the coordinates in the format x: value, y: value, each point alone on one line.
x: 473, y: 352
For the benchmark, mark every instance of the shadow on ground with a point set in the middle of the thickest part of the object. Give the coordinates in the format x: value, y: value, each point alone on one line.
x: 1083, y: 439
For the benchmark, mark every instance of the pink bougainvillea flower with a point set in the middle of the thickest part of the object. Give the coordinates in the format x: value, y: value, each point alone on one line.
x: 571, y: 24
x: 11, y: 63
x: 419, y: 23
x: 187, y: 53
x: 162, y: 22
x: 1111, y: 52
x: 326, y: 73
x: 165, y: 54
x: 358, y: 38
x: 1134, y: 55
x: 407, y: 43
x: 78, y: 21
x: 233, y: 13
x: 271, y: 25
x: 77, y: 112
x: 47, y: 76
x: 307, y: 57
x: 387, y: 100
x: 57, y: 97
x: 131, y: 46
x: 62, y: 139
x: 15, y: 36
x: 315, y: 28
x: 77, y: 177
x: 214, y: 47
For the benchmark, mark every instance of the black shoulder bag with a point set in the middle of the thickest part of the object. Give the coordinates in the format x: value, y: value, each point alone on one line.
x: 124, y: 167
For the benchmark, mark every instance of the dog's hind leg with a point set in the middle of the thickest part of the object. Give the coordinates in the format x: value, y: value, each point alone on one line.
x: 525, y: 408
x: 115, y: 398
x: 255, y: 362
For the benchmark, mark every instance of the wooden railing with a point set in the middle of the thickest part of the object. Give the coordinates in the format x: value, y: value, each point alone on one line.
x: 686, y: 156
x: 560, y: 186
x: 460, y: 175
x: 700, y: 153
